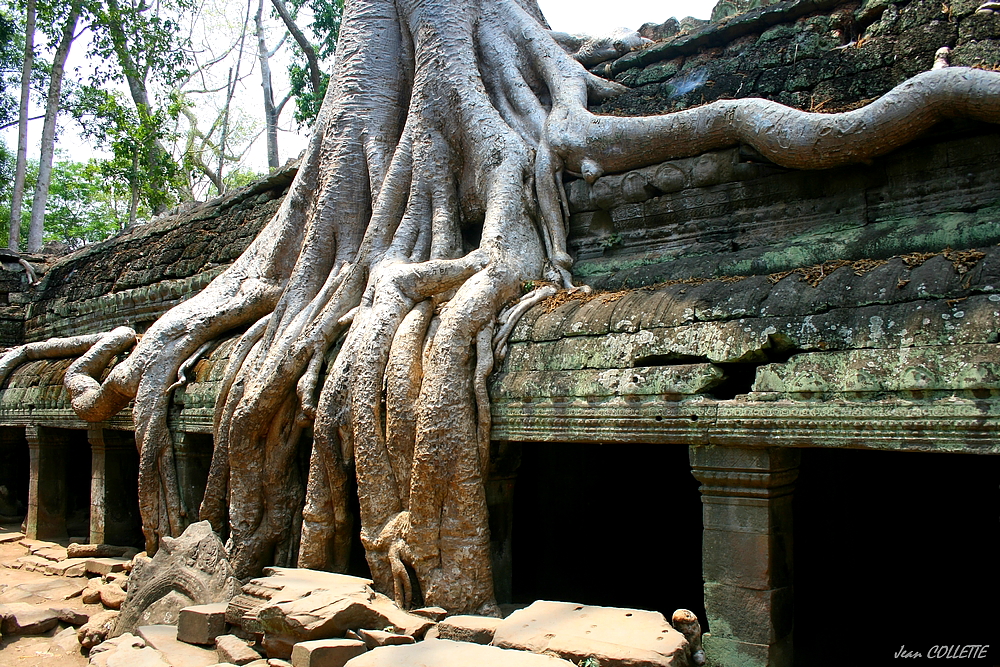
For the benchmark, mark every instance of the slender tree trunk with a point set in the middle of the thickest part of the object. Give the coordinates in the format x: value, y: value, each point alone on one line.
x: 14, y: 235
x: 315, y: 76
x: 270, y: 113
x: 36, y: 228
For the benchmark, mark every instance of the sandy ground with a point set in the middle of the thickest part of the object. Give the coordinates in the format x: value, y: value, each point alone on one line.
x: 41, y: 650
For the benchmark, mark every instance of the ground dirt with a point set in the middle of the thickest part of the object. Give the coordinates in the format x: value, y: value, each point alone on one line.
x: 40, y: 650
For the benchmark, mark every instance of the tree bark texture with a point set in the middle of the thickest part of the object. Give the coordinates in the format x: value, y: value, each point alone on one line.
x: 374, y: 303
x: 36, y: 228
x: 21, y: 167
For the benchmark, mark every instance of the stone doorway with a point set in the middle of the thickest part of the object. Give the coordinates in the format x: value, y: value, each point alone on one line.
x: 14, y: 472
x: 612, y: 525
x: 900, y: 544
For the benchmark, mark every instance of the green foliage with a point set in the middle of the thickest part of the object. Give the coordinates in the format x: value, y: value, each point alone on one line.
x: 590, y: 662
x: 84, y: 206
x: 237, y: 178
x: 131, y: 137
x: 11, y: 53
x: 325, y: 27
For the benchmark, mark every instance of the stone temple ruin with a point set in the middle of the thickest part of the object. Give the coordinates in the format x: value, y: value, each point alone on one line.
x: 777, y: 407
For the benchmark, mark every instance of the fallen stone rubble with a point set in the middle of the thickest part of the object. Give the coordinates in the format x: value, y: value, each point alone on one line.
x: 306, y: 618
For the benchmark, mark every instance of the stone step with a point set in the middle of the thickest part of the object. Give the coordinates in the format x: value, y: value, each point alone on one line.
x: 10, y: 536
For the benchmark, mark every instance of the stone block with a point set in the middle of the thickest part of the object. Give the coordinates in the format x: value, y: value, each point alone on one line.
x: 7, y: 536
x: 733, y: 653
x: 747, y: 560
x: 75, y: 550
x: 467, y: 628
x: 326, y: 652
x: 620, y: 633
x: 234, y: 650
x: 178, y: 654
x: 70, y: 616
x: 201, y: 624
x: 54, y: 554
x: 376, y: 638
x: 444, y: 653
x: 33, y: 563
x: 21, y: 618
x: 106, y: 565
x: 433, y: 613
x: 71, y: 567
x: 97, y: 629
x: 746, y: 615
x: 112, y: 596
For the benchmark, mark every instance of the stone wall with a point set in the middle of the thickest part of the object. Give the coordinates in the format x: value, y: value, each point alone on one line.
x: 818, y: 55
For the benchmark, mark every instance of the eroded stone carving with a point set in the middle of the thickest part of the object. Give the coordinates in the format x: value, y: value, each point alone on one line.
x: 188, y: 570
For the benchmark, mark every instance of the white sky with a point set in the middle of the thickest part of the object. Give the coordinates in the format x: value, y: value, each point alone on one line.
x: 595, y: 16
x: 573, y: 16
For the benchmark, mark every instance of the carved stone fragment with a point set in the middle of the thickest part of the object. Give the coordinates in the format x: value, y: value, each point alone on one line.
x: 189, y: 570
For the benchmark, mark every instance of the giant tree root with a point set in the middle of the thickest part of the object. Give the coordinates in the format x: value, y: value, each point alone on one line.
x: 430, y: 193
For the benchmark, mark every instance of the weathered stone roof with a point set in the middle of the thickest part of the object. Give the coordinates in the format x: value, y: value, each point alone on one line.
x: 820, y: 55
x: 134, y: 277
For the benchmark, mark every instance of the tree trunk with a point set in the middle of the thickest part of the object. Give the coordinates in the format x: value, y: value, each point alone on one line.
x: 315, y: 75
x: 36, y: 229
x: 17, y: 198
x: 363, y: 311
x: 270, y: 112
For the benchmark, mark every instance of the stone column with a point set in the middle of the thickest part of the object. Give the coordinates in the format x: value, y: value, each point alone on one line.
x: 113, y: 461
x: 746, y: 499
x: 46, y: 483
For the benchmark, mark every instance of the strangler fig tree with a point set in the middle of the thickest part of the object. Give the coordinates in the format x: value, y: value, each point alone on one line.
x: 372, y: 305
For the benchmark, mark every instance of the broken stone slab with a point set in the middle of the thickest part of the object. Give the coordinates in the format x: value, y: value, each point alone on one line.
x: 53, y: 554
x: 70, y: 616
x: 468, y: 628
x: 96, y: 630
x: 201, y: 624
x: 189, y: 570
x: 326, y: 652
x: 231, y: 648
x: 433, y: 613
x: 126, y: 650
x: 53, y: 589
x: 16, y: 594
x: 66, y: 641
x: 8, y: 536
x: 282, y: 584
x: 71, y: 567
x: 75, y: 550
x: 112, y: 596
x: 178, y: 654
x: 106, y: 565
x: 34, y: 545
x: 20, y: 618
x: 446, y: 653
x: 328, y: 614
x: 615, y: 636
x: 376, y: 638
x: 33, y: 563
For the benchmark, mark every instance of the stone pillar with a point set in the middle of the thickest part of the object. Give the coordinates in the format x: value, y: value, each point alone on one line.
x: 114, y: 464
x: 46, y: 483
x: 746, y: 499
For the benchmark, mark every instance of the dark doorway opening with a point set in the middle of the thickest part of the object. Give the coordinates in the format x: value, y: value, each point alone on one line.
x: 123, y: 523
x: 897, y: 550
x: 78, y: 471
x: 610, y: 525
x: 15, y: 468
